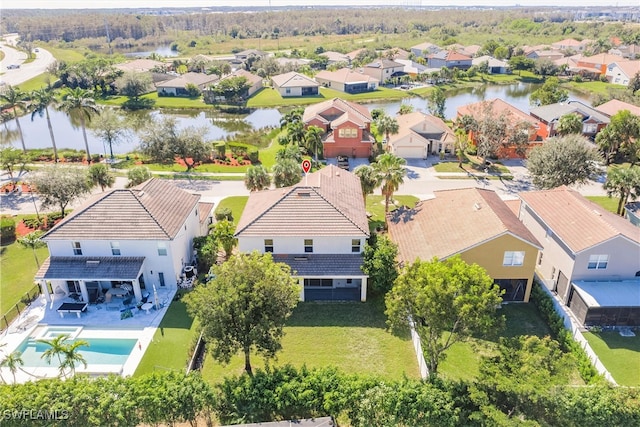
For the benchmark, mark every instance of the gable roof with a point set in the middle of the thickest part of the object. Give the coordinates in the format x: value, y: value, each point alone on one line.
x: 345, y: 75
x: 614, y: 106
x: 601, y: 59
x: 450, y: 55
x: 577, y: 221
x: 552, y: 112
x: 498, y: 106
x: 474, y: 216
x: 328, y: 202
x: 629, y: 68
x: 197, y: 79
x: 154, y: 210
x: 423, y: 125
x: 351, y: 111
x: 336, y: 56
x: 491, y: 61
x: 383, y: 63
x: 293, y: 79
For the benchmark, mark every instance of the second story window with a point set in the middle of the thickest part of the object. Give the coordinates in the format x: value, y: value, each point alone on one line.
x: 268, y: 245
x: 308, y: 245
x: 348, y: 133
x: 513, y: 258
x: 355, y: 245
x: 77, y: 249
x: 598, y: 262
x: 115, y: 248
x: 162, y: 249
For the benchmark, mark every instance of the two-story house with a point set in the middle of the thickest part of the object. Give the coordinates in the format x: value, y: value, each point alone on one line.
x: 140, y: 237
x: 590, y: 256
x: 593, y: 121
x: 346, y: 126
x: 384, y: 69
x: 450, y: 59
x: 318, y: 227
x: 423, y: 50
x: 475, y: 224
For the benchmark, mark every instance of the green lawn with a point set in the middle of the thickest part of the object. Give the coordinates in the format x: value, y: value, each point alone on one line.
x: 206, y: 167
x: 37, y: 82
x: 269, y: 97
x: 591, y: 88
x: 609, y: 203
x: 236, y: 204
x: 171, y: 343
x: 375, y: 207
x: 469, y: 165
x: 620, y: 355
x: 350, y: 336
x: 463, y: 359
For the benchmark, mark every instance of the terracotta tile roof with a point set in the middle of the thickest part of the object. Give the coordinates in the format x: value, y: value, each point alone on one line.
x: 577, y: 221
x: 90, y: 268
x: 293, y: 79
x: 204, y: 209
x: 513, y: 205
x: 154, y: 210
x: 602, y: 59
x: 452, y: 222
x: 345, y: 75
x: 328, y: 112
x: 498, y: 106
x: 328, y: 202
x: 614, y: 106
x: 629, y: 68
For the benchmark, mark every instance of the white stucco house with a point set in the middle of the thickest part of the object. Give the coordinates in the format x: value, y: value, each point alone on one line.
x: 318, y: 227
x: 137, y: 237
x: 587, y: 252
x: 419, y: 135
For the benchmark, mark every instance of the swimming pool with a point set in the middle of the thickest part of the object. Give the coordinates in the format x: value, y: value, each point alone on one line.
x: 100, y: 351
x: 48, y: 332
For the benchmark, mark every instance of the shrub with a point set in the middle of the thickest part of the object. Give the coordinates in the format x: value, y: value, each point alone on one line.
x: 32, y: 221
x: 224, y: 213
x: 472, y: 150
x: 254, y: 157
x: 7, y: 229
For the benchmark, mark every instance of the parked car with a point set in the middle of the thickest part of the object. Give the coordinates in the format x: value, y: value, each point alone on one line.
x: 13, y: 66
x: 343, y: 162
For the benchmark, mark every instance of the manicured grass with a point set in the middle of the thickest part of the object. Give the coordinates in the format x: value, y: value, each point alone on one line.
x: 375, y: 207
x: 71, y: 55
x: 171, y: 342
x: 620, y: 355
x: 351, y: 336
x: 269, y: 97
x: 176, y: 102
x: 463, y: 359
x: 236, y: 204
x: 267, y: 155
x: 609, y: 203
x: 38, y: 82
x: 206, y: 167
x: 470, y: 164
x: 591, y: 88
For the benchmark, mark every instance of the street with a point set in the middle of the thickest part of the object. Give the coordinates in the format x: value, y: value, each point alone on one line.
x: 26, y: 71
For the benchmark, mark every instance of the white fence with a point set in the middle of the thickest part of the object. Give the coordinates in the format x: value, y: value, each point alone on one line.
x: 417, y: 346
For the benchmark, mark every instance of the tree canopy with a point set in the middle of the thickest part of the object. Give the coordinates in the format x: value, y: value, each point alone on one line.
x: 549, y: 93
x: 59, y: 186
x: 245, y: 307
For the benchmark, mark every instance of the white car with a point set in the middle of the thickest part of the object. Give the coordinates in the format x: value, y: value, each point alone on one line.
x: 13, y: 66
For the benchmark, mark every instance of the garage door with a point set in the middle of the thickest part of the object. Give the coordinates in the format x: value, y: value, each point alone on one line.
x: 410, y: 152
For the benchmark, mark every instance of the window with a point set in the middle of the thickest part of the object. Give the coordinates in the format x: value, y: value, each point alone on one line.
x: 598, y: 262
x: 553, y: 273
x: 540, y: 258
x: 513, y: 258
x: 308, y: 245
x: 268, y: 245
x: 355, y: 245
x: 287, y: 91
x: 115, y: 248
x: 325, y: 283
x: 77, y: 249
x: 589, y: 128
x: 348, y: 133
x: 162, y: 249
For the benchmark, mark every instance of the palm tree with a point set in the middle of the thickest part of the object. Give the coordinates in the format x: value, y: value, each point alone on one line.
x: 368, y: 179
x: 387, y: 125
x: 13, y: 361
x: 56, y: 348
x: 33, y: 241
x: 99, y: 175
x: 391, y: 172
x: 15, y: 99
x: 286, y: 173
x: 257, y: 178
x: 570, y: 123
x: 313, y: 139
x: 624, y: 183
x: 59, y: 348
x: 79, y: 103
x: 40, y: 101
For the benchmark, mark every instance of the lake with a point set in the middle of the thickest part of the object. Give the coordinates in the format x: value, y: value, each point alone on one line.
x: 221, y: 125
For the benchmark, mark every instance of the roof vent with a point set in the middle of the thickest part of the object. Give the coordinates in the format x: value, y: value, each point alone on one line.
x: 301, y: 258
x: 304, y: 194
x: 476, y: 206
x: 93, y: 262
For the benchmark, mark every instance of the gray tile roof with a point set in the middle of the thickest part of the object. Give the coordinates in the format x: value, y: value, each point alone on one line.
x: 322, y: 265
x: 552, y: 112
x: 154, y: 210
x: 90, y: 268
x: 328, y: 202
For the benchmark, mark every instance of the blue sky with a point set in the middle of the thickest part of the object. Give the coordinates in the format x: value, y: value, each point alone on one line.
x: 84, y: 4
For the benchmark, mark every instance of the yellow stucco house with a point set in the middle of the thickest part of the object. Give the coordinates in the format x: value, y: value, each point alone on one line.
x: 477, y: 225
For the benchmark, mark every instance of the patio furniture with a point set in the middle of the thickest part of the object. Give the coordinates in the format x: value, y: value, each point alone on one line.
x: 71, y: 307
x: 117, y: 292
x: 146, y: 307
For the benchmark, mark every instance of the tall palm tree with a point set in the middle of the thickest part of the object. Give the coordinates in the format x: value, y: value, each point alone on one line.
x: 56, y: 348
x: 391, y: 172
x: 368, y: 179
x: 70, y: 351
x: 286, y: 173
x: 79, y: 103
x: 40, y: 101
x: 623, y: 183
x: 15, y: 99
x: 13, y: 361
x: 313, y: 140
x: 387, y: 125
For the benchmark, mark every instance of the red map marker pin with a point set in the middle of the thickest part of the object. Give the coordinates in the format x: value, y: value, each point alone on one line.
x: 306, y: 166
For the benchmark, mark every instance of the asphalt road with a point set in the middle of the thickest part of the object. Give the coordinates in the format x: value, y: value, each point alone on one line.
x: 26, y: 71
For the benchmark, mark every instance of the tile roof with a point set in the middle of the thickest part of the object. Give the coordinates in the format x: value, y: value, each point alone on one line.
x: 498, y: 107
x: 328, y: 112
x: 293, y: 79
x: 197, y: 79
x: 552, y: 112
x: 251, y: 78
x: 323, y: 264
x: 577, y: 221
x: 328, y: 202
x: 614, y: 106
x: 345, y: 75
x: 383, y: 63
x: 452, y: 222
x: 491, y: 61
x: 154, y: 210
x: 336, y: 56
x: 423, y: 125
x: 139, y: 65
x: 204, y: 211
x: 629, y: 68
x: 601, y: 59
x: 90, y: 268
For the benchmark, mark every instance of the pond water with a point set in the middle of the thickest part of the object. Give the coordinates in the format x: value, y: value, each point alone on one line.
x: 220, y: 125
x: 160, y: 50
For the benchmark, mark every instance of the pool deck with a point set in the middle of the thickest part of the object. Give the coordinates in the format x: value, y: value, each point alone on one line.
x: 99, y: 321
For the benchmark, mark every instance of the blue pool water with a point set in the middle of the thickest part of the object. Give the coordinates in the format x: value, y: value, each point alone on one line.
x: 54, y: 331
x: 101, y: 351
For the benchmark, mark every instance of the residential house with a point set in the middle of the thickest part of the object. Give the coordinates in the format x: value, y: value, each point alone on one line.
x: 395, y: 53
x: 293, y: 63
x: 621, y: 72
x: 470, y: 50
x: 449, y: 59
x: 294, y: 84
x: 495, y: 66
x: 631, y: 51
x: 552, y: 55
x: 598, y: 63
x: 336, y: 58
x: 570, y: 45
x: 588, y: 255
x: 347, y: 80
x: 413, y: 68
x: 178, y: 86
x: 614, y: 106
x: 251, y: 54
x: 424, y: 50
x: 318, y: 227
x: 475, y: 224
x: 254, y: 81
x: 419, y: 135
x: 384, y: 70
x: 141, y: 237
x: 140, y: 65
x: 346, y: 126
x: 497, y: 107
x: 593, y: 121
